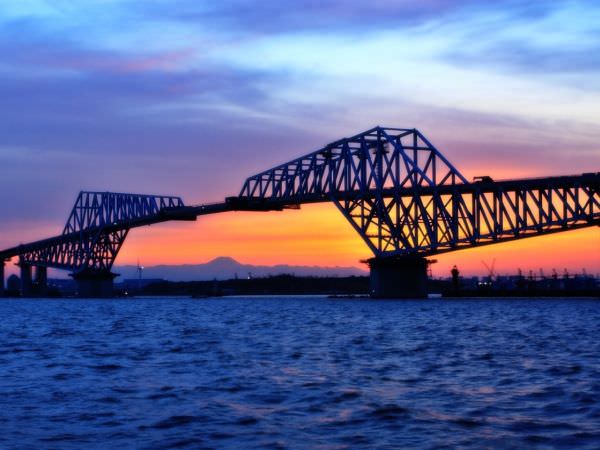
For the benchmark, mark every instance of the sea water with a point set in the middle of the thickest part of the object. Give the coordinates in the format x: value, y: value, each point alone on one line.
x: 299, y: 372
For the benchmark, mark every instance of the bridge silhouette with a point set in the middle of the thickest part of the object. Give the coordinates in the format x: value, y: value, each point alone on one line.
x: 400, y: 194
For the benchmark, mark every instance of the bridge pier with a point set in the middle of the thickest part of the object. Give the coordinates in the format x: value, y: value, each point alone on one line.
x: 33, y: 286
x: 1, y: 278
x: 402, y: 277
x: 94, y: 284
x: 26, y: 280
x: 40, y: 284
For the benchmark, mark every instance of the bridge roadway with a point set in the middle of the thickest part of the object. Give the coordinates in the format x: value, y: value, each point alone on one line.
x: 191, y: 213
x: 401, y: 195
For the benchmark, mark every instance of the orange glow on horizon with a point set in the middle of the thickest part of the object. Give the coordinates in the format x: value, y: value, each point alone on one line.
x: 319, y: 235
x: 315, y: 235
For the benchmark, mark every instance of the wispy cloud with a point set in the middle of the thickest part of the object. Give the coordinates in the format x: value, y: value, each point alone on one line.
x: 190, y: 97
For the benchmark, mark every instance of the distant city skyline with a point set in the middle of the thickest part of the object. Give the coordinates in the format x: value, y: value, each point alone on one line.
x: 187, y: 98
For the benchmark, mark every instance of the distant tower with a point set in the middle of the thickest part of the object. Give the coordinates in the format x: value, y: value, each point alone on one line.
x: 520, y: 279
x: 455, y: 273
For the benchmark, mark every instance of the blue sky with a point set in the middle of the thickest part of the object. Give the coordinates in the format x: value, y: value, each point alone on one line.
x: 189, y: 98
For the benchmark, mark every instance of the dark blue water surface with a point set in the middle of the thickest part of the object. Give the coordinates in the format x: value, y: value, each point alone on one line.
x: 312, y: 372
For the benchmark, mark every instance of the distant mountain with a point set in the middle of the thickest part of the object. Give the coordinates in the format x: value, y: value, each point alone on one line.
x: 223, y: 268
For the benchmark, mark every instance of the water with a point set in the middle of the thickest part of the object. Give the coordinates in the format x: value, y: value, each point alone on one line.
x: 299, y: 373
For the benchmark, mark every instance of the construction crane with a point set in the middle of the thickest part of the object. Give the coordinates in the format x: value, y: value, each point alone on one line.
x: 490, y: 269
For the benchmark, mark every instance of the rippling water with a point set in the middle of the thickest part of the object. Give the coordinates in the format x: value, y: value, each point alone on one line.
x: 285, y: 372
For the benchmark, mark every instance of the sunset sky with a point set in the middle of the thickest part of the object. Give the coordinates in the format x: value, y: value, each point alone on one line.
x: 189, y: 98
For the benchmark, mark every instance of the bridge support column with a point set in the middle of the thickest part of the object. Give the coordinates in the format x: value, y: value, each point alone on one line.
x: 94, y: 284
x: 1, y: 278
x: 404, y: 277
x: 26, y: 282
x: 41, y: 281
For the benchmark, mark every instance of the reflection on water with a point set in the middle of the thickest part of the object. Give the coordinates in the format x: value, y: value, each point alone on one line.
x: 299, y: 372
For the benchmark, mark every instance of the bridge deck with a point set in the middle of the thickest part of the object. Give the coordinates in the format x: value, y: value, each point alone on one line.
x: 556, y: 182
x: 190, y: 213
x: 178, y: 214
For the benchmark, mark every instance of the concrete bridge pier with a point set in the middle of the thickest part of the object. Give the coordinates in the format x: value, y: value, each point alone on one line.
x: 1, y: 278
x: 26, y: 280
x: 400, y: 277
x: 94, y: 283
x: 40, y: 283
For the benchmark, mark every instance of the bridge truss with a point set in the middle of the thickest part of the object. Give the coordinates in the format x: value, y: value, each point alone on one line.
x: 404, y: 197
x: 401, y: 195
x: 95, y: 231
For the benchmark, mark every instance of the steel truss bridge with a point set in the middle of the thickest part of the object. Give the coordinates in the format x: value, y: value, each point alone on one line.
x: 400, y: 194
